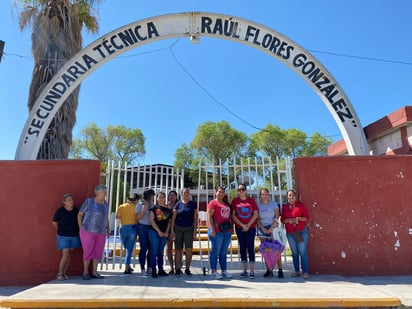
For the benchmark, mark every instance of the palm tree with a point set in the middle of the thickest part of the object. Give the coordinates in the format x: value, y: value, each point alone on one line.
x: 56, y: 37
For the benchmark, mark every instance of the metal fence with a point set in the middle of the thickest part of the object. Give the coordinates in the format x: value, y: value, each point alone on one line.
x: 255, y: 173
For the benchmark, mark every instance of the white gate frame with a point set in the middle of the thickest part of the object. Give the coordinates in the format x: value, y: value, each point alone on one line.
x: 118, y: 193
x: 252, y: 171
x: 249, y: 173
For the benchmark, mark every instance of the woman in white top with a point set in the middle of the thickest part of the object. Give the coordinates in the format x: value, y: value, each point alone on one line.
x: 267, y: 220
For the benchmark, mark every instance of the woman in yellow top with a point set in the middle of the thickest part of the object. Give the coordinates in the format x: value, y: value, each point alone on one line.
x: 128, y: 231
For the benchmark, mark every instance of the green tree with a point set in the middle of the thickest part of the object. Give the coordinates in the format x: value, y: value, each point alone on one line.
x: 56, y: 37
x: 317, y: 145
x: 268, y: 141
x: 218, y: 140
x: 274, y: 142
x: 185, y: 157
x: 294, y: 142
x: 110, y: 143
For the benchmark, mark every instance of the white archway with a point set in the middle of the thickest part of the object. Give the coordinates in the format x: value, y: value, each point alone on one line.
x: 192, y: 25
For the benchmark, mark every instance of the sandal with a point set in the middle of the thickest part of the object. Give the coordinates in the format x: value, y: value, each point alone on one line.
x: 97, y: 276
x: 86, y: 277
x: 66, y: 277
x: 60, y: 277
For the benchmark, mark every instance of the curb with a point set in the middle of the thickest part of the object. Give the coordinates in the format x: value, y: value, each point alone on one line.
x: 203, y: 303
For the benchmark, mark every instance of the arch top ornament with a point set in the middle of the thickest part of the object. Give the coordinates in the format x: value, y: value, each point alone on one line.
x: 193, y: 25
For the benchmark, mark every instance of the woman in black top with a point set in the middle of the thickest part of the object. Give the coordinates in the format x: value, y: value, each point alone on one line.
x: 65, y: 222
x: 160, y: 216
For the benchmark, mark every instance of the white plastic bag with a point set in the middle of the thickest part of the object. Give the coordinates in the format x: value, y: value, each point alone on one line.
x: 279, y: 233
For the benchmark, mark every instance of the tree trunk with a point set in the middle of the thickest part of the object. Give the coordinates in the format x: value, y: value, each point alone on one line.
x: 56, y: 38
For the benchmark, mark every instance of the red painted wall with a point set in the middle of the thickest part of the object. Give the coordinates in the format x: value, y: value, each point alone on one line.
x: 31, y: 191
x: 361, y: 213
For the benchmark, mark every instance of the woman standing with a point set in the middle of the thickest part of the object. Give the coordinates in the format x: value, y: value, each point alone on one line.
x: 65, y: 222
x: 295, y: 216
x: 94, y: 228
x: 128, y: 230
x: 267, y: 221
x: 171, y: 202
x: 220, y: 233
x: 160, y: 219
x: 184, y: 225
x: 244, y: 215
x: 143, y: 228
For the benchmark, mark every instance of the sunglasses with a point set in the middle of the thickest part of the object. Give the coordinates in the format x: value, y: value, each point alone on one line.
x: 241, y: 189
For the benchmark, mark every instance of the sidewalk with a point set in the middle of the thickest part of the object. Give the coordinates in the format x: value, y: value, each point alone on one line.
x: 117, y: 290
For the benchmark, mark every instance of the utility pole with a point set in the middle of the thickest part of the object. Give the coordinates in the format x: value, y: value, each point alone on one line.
x: 1, y: 49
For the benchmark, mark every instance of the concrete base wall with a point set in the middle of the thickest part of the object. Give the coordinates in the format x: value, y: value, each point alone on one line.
x: 31, y: 191
x: 361, y: 213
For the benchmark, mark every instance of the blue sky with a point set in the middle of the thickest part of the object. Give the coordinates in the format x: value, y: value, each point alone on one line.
x: 146, y: 88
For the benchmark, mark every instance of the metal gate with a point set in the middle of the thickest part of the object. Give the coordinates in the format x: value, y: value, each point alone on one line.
x: 255, y: 173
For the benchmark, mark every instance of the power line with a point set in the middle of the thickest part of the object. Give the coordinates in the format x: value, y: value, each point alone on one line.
x: 361, y: 58
x: 206, y: 91
x: 311, y: 50
x: 186, y: 71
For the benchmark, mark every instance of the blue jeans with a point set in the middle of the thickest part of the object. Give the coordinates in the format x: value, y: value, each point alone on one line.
x: 220, y: 243
x: 246, y: 244
x: 144, y: 253
x: 128, y: 235
x: 157, y: 248
x: 299, y: 250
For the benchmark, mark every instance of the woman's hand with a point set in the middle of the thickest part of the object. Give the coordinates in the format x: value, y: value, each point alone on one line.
x: 212, y: 233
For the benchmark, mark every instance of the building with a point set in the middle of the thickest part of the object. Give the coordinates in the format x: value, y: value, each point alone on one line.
x: 390, y: 135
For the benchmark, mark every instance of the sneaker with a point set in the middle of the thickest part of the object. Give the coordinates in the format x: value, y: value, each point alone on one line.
x: 154, y: 273
x: 127, y: 271
x: 86, y: 277
x: 178, y: 273
x: 187, y: 272
x: 216, y: 275
x: 306, y: 276
x: 280, y: 274
x: 226, y: 274
x: 268, y: 274
x: 162, y: 273
x: 145, y: 273
x: 295, y: 274
x: 252, y: 275
x: 243, y: 274
x: 172, y: 272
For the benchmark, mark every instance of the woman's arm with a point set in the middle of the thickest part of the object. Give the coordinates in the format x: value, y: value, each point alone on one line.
x: 80, y: 219
x: 172, y: 224
x: 154, y: 224
x: 55, y: 224
x: 211, y: 221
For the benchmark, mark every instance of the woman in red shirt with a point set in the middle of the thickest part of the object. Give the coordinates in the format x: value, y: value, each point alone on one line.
x: 244, y: 215
x: 218, y: 212
x: 295, y: 216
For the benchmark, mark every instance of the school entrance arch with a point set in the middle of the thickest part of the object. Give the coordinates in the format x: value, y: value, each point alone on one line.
x: 193, y: 25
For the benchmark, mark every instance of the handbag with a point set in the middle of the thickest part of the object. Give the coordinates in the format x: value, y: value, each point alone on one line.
x: 279, y: 234
x: 225, y: 226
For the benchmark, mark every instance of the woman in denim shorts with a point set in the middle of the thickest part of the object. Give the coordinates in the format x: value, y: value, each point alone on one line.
x: 65, y: 222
